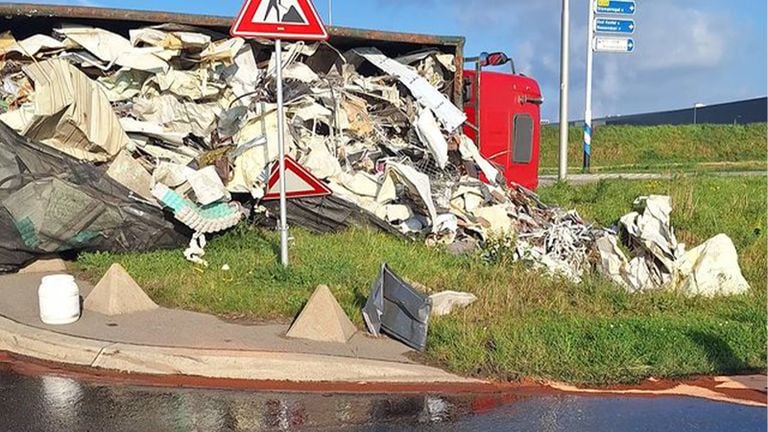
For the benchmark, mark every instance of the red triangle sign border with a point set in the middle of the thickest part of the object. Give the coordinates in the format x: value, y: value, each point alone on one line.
x: 247, y: 27
x: 318, y: 187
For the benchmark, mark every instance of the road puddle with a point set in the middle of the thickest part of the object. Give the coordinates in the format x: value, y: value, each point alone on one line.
x: 56, y: 402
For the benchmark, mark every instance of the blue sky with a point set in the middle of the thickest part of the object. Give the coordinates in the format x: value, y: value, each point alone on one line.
x: 688, y: 51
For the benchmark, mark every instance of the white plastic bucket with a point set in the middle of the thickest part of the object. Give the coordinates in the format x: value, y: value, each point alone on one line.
x: 59, y: 300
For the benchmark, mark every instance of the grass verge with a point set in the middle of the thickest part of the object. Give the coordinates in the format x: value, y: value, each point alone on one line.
x: 524, y: 324
x: 669, y: 168
x: 657, y: 148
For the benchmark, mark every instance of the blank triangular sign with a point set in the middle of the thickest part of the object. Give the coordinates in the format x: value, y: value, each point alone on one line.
x: 279, y: 19
x: 117, y: 294
x: 322, y: 319
x: 299, y: 182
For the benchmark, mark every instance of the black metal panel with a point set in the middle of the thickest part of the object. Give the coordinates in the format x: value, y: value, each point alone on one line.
x: 398, y: 310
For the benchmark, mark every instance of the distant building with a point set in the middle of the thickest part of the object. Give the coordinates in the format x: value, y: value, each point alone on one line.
x: 740, y: 112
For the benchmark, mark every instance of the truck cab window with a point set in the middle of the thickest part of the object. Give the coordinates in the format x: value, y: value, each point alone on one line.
x: 522, y: 139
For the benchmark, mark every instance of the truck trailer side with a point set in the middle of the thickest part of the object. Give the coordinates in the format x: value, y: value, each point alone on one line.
x: 509, y: 132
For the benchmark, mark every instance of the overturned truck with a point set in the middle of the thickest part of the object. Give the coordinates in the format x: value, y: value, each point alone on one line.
x: 155, y: 128
x: 129, y: 131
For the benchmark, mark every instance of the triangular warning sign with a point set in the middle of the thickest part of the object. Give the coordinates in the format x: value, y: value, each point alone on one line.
x: 299, y: 182
x: 279, y: 19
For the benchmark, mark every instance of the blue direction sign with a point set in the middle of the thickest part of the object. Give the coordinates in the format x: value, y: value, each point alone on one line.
x: 614, y: 45
x: 616, y: 7
x: 611, y: 25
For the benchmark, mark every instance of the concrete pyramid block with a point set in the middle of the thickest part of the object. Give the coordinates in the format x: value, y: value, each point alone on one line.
x: 54, y: 265
x: 117, y: 294
x: 322, y: 320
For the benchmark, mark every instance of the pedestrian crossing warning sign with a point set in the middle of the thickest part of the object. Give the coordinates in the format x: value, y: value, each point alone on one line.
x: 279, y: 19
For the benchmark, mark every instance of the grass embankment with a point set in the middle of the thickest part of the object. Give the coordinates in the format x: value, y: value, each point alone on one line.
x: 662, y: 148
x: 524, y: 324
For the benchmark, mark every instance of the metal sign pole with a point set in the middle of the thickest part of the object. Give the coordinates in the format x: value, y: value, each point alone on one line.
x: 252, y: 22
x: 283, y: 227
x: 588, y: 106
x: 562, y: 173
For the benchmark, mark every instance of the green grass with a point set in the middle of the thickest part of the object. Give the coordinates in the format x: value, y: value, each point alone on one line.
x: 649, y: 148
x: 524, y: 324
x: 668, y: 168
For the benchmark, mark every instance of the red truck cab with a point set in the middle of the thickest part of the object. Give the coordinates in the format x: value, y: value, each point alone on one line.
x: 509, y: 122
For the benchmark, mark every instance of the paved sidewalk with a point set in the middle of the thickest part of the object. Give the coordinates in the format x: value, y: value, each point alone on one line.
x: 169, y: 344
x: 168, y: 341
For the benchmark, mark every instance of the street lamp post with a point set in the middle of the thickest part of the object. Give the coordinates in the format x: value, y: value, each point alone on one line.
x: 565, y: 33
x: 588, y: 105
x: 695, y: 112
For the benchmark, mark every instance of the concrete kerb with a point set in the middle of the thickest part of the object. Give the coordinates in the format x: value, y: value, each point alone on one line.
x: 277, y: 371
x: 47, y: 345
x: 31, y: 342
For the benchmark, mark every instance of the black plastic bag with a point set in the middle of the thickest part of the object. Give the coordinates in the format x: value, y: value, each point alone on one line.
x: 51, y: 203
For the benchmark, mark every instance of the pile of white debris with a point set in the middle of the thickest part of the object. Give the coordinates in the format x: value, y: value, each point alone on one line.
x: 186, y: 120
x: 660, y: 261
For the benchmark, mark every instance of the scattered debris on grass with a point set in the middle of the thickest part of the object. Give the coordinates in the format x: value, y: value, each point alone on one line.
x: 660, y: 261
x: 185, y: 121
x: 445, y: 302
x: 396, y: 308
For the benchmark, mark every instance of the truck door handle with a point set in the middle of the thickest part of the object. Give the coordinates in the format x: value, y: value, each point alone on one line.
x: 535, y: 101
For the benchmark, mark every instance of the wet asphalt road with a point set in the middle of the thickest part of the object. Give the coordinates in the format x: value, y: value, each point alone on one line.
x: 57, y: 404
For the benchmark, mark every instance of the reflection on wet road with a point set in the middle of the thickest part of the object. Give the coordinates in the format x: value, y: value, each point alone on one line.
x: 52, y: 403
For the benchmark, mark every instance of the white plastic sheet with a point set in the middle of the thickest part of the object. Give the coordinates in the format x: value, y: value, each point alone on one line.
x: 450, y: 116
x: 430, y: 134
x: 660, y: 262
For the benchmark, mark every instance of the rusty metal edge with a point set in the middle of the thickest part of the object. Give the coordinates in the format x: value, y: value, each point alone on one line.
x: 20, y: 10
x: 10, y: 10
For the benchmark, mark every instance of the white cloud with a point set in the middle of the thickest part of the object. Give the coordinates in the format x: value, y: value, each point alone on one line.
x: 675, y: 40
x: 525, y: 56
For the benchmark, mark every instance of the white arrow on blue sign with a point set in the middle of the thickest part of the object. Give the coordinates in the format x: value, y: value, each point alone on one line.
x: 616, y: 7
x: 611, y: 25
x: 614, y: 45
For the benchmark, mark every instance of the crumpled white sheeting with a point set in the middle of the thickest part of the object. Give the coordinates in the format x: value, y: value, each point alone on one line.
x: 660, y: 261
